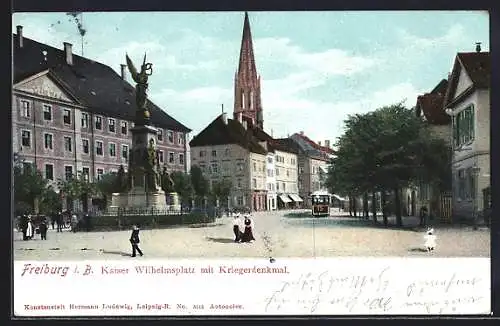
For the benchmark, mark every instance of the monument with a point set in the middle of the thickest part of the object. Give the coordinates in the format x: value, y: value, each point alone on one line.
x: 144, y: 174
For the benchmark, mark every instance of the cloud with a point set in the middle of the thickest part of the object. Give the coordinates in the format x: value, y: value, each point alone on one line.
x: 326, y: 62
x: 453, y: 36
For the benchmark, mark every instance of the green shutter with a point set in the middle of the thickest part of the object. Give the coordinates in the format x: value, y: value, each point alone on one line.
x: 472, y: 121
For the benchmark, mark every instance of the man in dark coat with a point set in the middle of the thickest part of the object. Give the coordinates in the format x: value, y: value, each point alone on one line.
x: 43, y: 229
x: 24, y: 226
x: 134, y: 240
x: 59, y: 221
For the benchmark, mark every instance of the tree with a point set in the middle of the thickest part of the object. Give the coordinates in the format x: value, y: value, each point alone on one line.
x: 221, y: 190
x: 199, y: 182
x: 50, y: 202
x: 182, y: 185
x: 108, y: 185
x: 29, y: 188
x: 78, y: 187
x: 387, y: 149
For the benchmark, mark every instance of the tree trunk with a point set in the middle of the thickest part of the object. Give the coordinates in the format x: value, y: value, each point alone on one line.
x: 36, y: 205
x: 384, y: 207
x: 366, y: 212
x: 350, y: 205
x: 354, y: 207
x: 397, y: 204
x: 374, y: 206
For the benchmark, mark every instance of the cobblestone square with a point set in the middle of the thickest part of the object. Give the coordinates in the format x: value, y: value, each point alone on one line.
x: 276, y: 236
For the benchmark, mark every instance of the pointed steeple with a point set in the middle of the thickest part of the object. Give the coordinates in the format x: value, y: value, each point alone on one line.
x: 246, y: 67
x: 247, y: 100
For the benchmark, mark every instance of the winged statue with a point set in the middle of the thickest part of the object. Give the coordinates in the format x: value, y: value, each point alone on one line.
x: 141, y: 79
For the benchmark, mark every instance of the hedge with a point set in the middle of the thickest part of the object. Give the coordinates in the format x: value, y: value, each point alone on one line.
x: 114, y: 222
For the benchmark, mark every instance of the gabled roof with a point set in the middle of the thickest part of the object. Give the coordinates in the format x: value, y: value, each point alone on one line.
x: 93, y: 84
x: 432, y: 105
x: 286, y: 145
x: 220, y: 133
x: 478, y: 68
x: 311, y: 148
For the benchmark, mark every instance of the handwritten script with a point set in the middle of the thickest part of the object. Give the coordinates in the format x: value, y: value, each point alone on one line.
x: 378, y: 291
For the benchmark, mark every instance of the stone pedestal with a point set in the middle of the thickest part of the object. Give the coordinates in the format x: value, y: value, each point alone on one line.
x: 174, y: 203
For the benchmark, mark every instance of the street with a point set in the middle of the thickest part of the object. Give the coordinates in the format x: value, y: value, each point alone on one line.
x: 276, y: 236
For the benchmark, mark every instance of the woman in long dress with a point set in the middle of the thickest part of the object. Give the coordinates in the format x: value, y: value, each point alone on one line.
x: 29, y: 229
x: 236, y: 227
x: 248, y: 234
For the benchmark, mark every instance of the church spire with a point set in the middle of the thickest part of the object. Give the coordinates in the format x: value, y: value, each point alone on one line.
x: 246, y: 67
x: 247, y: 100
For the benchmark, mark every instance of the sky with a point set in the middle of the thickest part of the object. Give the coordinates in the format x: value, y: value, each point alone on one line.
x: 316, y: 68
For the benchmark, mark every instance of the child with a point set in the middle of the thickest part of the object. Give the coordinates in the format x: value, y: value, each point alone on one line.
x: 430, y: 240
x: 43, y: 229
x: 134, y: 240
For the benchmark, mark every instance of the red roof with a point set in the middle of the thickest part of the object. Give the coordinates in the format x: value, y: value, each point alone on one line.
x: 325, y: 149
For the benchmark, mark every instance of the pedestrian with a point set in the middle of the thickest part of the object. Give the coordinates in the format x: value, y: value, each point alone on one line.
x: 236, y: 227
x: 53, y: 219
x: 74, y: 222
x: 24, y: 226
x: 29, y: 229
x: 43, y: 229
x: 423, y: 216
x: 59, y: 221
x: 134, y: 240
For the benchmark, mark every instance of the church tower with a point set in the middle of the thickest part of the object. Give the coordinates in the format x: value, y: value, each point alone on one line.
x: 247, y: 100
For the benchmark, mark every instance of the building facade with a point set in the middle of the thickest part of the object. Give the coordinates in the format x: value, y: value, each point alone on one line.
x: 71, y: 115
x: 467, y: 101
x: 271, y: 182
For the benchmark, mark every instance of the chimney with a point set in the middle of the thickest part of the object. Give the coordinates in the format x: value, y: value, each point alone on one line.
x: 19, y: 36
x: 123, y: 71
x: 224, y: 118
x: 327, y: 143
x: 319, y: 143
x: 69, y: 53
x: 478, y: 47
x: 302, y: 133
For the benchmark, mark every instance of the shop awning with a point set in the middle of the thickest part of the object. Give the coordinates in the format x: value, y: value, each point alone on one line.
x: 285, y: 199
x: 339, y: 198
x: 295, y: 198
x: 323, y: 169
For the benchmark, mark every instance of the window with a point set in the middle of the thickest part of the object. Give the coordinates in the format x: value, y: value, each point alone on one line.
x: 251, y: 100
x: 26, y: 138
x: 25, y: 109
x: 112, y: 149
x: 111, y: 125
x: 124, y: 127
x: 67, y: 116
x: 161, y: 156
x: 287, y: 172
x: 100, y: 173
x: 277, y: 186
x: 160, y: 134
x: 85, y: 146
x: 239, y: 200
x: 180, y: 139
x: 214, y: 168
x: 98, y: 123
x: 254, y: 166
x: 242, y: 99
x: 85, y: 120
x: 463, y: 126
x: 181, y: 158
x: 171, y: 158
x: 239, y: 166
x: 277, y: 171
x: 202, y: 153
x: 68, y: 144
x: 125, y: 152
x: 254, y: 183
x: 68, y: 172
x: 171, y: 137
x: 269, y: 160
x: 49, y: 171
x: 86, y: 174
x: 47, y: 112
x: 48, y: 141
x: 283, y: 186
x: 214, y: 153
x: 227, y: 152
x: 27, y: 167
x: 238, y: 183
x: 269, y: 172
x: 99, y: 148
